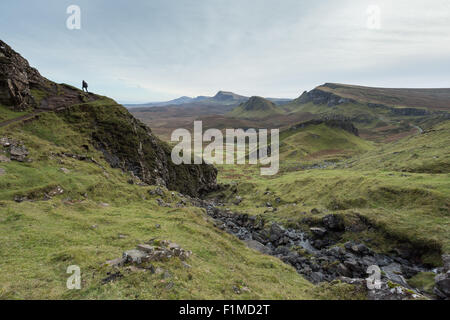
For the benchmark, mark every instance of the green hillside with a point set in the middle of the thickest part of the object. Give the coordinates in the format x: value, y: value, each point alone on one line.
x: 427, y: 152
x: 255, y: 108
x: 315, y: 142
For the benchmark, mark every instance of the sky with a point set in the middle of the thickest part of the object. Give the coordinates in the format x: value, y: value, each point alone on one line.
x: 138, y: 51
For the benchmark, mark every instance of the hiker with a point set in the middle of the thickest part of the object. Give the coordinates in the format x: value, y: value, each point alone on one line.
x: 85, y: 86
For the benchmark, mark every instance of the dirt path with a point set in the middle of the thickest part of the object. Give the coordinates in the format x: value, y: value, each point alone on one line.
x: 21, y: 118
x: 418, y: 128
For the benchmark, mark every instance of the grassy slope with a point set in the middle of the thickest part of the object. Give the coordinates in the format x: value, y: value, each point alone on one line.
x: 319, y: 142
x: 426, y: 152
x: 411, y: 207
x: 40, y: 239
x: 7, y: 114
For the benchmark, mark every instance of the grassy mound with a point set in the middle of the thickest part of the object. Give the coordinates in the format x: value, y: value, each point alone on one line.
x: 255, y: 108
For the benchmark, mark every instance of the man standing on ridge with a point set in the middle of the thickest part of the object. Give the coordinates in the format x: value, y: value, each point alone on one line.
x: 85, y: 86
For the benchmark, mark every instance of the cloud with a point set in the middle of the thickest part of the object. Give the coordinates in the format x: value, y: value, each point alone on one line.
x: 154, y: 50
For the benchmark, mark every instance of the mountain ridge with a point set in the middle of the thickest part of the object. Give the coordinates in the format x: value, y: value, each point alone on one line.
x: 221, y: 98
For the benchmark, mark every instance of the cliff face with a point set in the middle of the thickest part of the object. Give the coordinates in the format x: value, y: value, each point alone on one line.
x: 23, y: 88
x: 130, y: 145
x: 125, y: 142
x: 318, y: 96
x: 17, y: 79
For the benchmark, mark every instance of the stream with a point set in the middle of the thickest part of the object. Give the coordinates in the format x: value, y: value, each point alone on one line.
x: 316, y: 258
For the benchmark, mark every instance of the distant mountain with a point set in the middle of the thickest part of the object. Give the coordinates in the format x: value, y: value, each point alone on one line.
x: 255, y: 107
x: 221, y: 98
x: 181, y: 100
x: 334, y: 94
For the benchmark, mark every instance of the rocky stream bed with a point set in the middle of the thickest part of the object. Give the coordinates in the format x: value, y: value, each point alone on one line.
x: 319, y: 259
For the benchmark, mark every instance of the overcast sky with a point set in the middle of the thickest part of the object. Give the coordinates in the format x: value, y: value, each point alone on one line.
x: 154, y: 50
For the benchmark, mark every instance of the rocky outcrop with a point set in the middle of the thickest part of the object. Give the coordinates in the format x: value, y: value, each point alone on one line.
x: 318, y: 96
x: 151, y: 252
x: 130, y: 145
x: 442, y: 280
x: 125, y: 142
x: 17, y: 79
x: 23, y: 88
x: 13, y: 150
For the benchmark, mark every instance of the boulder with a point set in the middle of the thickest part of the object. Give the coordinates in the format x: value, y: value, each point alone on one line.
x: 442, y: 285
x: 258, y: 246
x: 357, y: 248
x: 320, y: 232
x: 342, y: 270
x: 333, y: 222
x: 18, y: 153
x: 276, y: 232
x: 135, y: 256
x: 393, y: 272
x: 446, y: 262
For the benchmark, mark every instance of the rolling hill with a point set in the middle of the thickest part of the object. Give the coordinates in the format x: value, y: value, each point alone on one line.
x: 255, y: 108
x: 318, y: 140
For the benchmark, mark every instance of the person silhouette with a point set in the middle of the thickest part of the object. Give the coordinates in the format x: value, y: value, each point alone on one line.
x: 85, y: 86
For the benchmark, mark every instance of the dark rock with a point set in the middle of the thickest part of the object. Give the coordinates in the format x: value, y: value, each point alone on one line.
x: 336, y: 252
x: 320, y: 232
x: 342, y: 270
x: 260, y: 237
x: 111, y: 277
x: 357, y: 248
x: 333, y: 222
x: 317, y: 277
x: 18, y: 153
x: 276, y: 232
x: 446, y: 262
x: 442, y: 282
x: 352, y: 265
x: 315, y: 211
x: 409, y: 272
x: 393, y: 272
x: 320, y: 244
